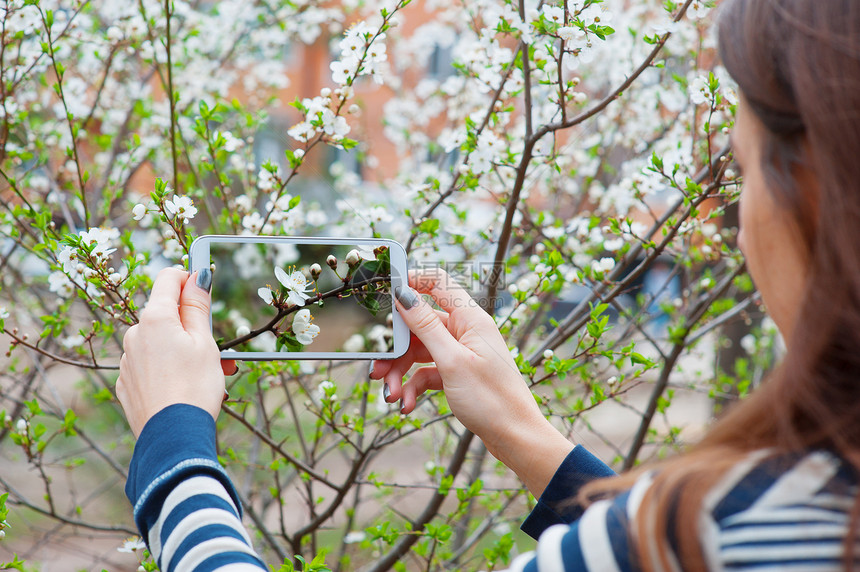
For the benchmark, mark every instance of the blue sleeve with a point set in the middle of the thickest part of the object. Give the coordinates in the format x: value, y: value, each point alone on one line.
x: 599, y: 541
x: 185, y: 505
x: 556, y: 505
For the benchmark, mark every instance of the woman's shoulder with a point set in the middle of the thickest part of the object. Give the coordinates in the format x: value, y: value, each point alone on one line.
x: 768, y: 479
x: 780, y: 508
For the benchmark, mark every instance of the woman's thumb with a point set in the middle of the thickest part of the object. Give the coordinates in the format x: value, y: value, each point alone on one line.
x: 425, y: 324
x: 194, y: 302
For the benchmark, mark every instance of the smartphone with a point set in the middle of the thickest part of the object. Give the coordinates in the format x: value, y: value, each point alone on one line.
x: 276, y: 297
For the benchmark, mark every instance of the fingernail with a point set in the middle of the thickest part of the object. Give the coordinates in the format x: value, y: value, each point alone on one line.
x: 406, y: 296
x: 235, y: 371
x: 204, y: 279
x: 370, y: 368
x: 386, y: 392
x: 403, y: 410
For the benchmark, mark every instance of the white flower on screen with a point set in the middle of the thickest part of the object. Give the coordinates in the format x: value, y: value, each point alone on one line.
x: 249, y: 262
x: 353, y: 257
x: 380, y: 335
x: 139, y: 211
x: 265, y: 294
x: 303, y: 327
x: 243, y: 331
x: 286, y: 254
x: 22, y: 425
x: 354, y: 343
x: 297, y: 286
x: 130, y: 545
x: 4, y: 313
x: 182, y: 207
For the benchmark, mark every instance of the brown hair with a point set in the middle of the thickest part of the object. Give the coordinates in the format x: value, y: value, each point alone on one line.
x: 797, y: 63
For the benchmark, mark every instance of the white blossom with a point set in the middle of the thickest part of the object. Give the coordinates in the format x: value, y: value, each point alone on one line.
x: 182, y: 207
x: 354, y: 343
x: 304, y: 330
x: 266, y: 295
x: 603, y: 265
x: 139, y: 211
x: 296, y: 284
x: 131, y: 545
x: 101, y: 240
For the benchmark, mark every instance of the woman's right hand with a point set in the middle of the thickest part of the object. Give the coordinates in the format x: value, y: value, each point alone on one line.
x: 474, y: 367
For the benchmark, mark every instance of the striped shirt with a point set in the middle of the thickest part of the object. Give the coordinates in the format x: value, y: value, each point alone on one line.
x: 185, y: 506
x: 788, y: 512
x: 768, y: 513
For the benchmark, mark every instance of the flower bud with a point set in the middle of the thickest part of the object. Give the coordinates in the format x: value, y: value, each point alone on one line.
x: 316, y: 269
x: 2, y: 534
x: 139, y: 211
x: 353, y: 257
x: 547, y: 354
x: 331, y: 261
x: 242, y: 331
x: 21, y: 426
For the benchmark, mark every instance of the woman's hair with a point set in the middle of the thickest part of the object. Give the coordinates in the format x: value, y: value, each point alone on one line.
x: 797, y: 64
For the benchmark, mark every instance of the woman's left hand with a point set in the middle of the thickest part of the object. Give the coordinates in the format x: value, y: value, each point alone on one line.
x: 170, y: 356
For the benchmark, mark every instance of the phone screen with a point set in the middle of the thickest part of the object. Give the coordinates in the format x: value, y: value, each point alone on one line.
x: 296, y: 298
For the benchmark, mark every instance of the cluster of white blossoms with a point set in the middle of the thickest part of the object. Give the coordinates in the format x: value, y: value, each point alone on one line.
x: 319, y: 119
x: 362, y: 52
x: 178, y: 208
x: 79, y: 264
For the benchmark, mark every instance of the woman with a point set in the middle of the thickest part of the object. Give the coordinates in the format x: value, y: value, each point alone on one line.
x: 772, y: 486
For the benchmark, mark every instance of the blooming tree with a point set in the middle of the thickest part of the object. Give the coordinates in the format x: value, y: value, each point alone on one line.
x: 568, y: 161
